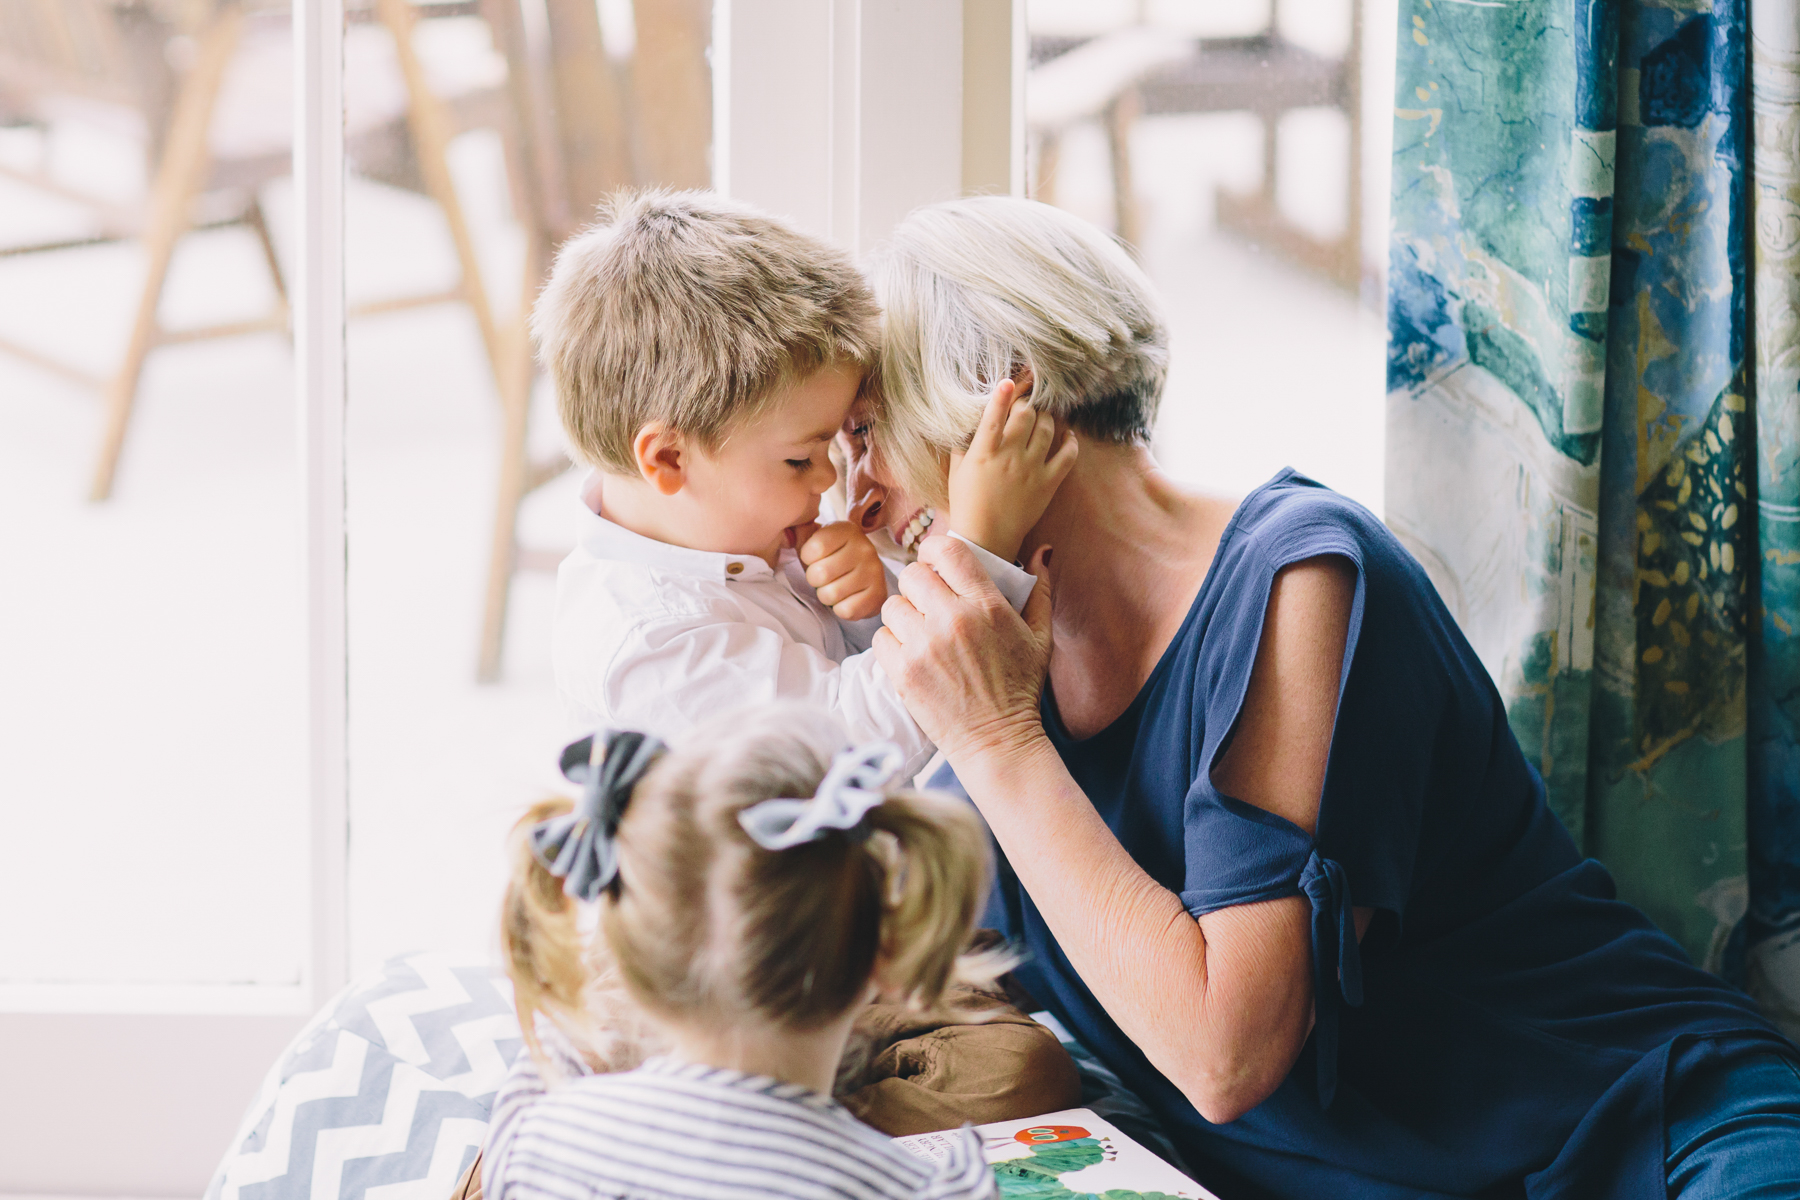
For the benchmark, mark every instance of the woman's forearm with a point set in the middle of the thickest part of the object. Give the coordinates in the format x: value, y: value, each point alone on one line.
x: 1146, y: 960
x: 1220, y: 1005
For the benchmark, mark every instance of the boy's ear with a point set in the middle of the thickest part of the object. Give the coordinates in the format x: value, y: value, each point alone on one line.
x: 661, y: 457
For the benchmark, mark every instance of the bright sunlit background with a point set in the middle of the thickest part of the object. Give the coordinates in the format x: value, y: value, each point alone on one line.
x: 160, y: 628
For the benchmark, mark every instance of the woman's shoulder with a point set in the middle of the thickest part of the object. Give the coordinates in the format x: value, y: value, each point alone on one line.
x: 1395, y: 613
x: 1293, y: 517
x: 1287, y: 520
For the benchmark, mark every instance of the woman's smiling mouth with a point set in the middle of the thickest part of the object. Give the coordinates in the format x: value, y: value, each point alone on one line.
x: 915, y: 529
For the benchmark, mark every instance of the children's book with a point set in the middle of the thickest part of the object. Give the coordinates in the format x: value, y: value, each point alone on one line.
x: 1070, y: 1155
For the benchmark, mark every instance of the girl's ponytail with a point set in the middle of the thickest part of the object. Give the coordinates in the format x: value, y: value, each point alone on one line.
x: 538, y: 933
x: 936, y: 868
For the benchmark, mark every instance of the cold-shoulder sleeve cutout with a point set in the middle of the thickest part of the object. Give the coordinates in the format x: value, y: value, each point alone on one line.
x: 1253, y: 855
x: 1367, y: 829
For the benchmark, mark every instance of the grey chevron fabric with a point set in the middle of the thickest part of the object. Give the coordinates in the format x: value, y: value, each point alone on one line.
x: 385, y: 1094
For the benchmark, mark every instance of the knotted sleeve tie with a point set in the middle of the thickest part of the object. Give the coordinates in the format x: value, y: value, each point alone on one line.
x: 1336, y: 961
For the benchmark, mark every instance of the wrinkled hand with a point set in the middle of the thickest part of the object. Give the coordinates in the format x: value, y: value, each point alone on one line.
x: 844, y: 569
x: 1001, y: 485
x: 970, y: 670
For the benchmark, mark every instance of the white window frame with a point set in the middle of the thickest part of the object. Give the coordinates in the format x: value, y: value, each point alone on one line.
x: 319, y: 392
x: 844, y: 115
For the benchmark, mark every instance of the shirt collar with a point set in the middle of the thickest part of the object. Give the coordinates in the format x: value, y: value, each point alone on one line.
x: 611, y: 541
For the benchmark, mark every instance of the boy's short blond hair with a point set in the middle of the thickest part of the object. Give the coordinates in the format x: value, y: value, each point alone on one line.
x: 694, y: 310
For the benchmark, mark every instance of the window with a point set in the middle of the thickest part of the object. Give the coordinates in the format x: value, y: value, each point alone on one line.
x: 274, y: 699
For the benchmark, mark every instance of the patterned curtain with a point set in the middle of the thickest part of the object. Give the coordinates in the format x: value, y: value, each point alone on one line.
x: 1594, y: 427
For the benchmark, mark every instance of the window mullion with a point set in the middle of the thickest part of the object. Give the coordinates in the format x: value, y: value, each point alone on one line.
x: 319, y: 383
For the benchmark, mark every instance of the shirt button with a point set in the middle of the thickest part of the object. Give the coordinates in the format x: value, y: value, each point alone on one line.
x: 734, y: 568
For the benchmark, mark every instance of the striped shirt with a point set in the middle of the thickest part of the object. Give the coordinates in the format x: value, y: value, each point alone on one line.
x: 681, y: 1131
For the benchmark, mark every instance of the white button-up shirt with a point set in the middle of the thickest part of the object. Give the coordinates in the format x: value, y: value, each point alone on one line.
x: 660, y: 638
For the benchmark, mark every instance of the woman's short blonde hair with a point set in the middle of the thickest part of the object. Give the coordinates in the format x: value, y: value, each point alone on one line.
x: 703, y: 925
x: 695, y: 310
x: 979, y: 290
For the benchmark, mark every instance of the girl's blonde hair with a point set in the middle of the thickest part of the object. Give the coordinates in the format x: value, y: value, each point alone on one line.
x: 978, y: 290
x: 704, y: 925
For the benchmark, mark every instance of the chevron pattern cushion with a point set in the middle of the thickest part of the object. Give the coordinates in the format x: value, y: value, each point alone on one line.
x: 385, y: 1094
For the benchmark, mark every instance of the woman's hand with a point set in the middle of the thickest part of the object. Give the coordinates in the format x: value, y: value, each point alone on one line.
x: 970, y: 670
x: 1003, y: 483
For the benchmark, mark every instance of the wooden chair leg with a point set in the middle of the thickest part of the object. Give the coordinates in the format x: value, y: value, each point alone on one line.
x: 515, y: 484
x: 429, y: 121
x: 258, y: 220
x: 178, y: 178
x: 503, y: 556
x: 517, y: 479
x: 1049, y: 151
x: 1350, y: 271
x: 672, y: 91
x: 595, y: 139
x: 1121, y: 117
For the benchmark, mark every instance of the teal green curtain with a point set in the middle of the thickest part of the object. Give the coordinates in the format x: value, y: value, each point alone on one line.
x: 1594, y: 428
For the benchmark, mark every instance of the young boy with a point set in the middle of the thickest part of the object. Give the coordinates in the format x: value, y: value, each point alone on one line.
x: 704, y: 357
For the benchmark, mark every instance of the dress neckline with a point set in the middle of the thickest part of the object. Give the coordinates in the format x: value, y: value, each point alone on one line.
x: 1059, y: 733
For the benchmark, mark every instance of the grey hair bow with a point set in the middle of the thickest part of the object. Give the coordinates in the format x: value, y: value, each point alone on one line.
x: 856, y: 783
x: 577, y: 847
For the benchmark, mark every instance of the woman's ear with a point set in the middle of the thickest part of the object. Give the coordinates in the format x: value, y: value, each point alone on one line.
x: 661, y: 457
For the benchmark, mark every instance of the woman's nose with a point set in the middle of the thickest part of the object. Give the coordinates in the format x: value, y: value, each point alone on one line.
x: 860, y: 489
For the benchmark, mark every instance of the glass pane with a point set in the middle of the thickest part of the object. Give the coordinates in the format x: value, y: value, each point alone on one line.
x: 544, y: 107
x: 153, y: 828
x: 1237, y: 126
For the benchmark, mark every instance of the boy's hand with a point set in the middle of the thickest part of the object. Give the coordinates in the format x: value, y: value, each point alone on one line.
x: 1003, y: 483
x: 844, y: 570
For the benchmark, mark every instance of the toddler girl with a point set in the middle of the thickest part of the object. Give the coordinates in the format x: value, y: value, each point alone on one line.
x: 752, y: 893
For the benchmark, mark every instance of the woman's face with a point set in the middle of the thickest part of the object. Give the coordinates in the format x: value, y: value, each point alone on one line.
x: 867, y: 481
x: 867, y: 475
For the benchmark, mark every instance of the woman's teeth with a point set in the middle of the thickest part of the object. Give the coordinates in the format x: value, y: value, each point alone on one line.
x: 915, y: 529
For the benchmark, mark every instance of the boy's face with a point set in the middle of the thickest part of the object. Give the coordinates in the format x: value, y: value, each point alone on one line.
x: 770, y: 472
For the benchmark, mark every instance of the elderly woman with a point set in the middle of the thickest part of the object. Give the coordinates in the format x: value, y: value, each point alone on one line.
x: 1264, y: 831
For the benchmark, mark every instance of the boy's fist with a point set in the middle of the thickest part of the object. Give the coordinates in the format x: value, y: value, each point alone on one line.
x: 844, y: 570
x: 1003, y: 483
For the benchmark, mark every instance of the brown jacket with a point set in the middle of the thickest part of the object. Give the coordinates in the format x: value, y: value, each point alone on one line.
x: 924, y: 1072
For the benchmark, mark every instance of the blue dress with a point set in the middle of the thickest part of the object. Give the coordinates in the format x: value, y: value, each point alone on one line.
x: 1506, y: 1027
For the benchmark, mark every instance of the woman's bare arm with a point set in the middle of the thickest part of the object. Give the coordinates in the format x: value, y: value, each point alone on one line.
x: 1277, y: 759
x: 1220, y: 1005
